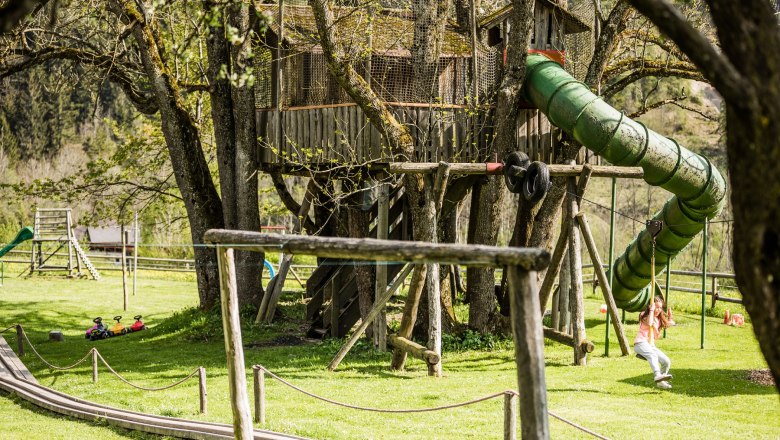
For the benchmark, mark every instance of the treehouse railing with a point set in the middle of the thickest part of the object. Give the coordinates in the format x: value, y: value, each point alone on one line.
x: 340, y: 134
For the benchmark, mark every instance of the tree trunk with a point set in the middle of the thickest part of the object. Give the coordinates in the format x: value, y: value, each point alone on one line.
x: 447, y: 233
x: 232, y: 112
x: 481, y: 282
x: 204, y: 208
x: 249, y: 265
x: 357, y: 221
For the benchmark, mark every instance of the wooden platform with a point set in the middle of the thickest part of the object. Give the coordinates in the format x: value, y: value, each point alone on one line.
x: 15, y: 378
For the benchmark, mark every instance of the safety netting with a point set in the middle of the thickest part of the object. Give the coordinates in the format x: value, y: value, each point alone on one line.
x: 378, y: 40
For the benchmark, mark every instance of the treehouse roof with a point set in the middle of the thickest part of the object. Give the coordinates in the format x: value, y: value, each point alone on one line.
x: 392, y: 36
x: 571, y: 24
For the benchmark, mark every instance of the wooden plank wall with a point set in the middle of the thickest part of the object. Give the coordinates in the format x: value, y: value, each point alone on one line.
x: 342, y: 134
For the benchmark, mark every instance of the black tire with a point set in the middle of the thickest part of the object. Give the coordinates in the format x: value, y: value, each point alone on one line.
x: 518, y: 159
x: 536, y: 182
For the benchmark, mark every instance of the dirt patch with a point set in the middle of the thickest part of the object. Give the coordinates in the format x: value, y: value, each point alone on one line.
x: 761, y: 377
x: 279, y: 341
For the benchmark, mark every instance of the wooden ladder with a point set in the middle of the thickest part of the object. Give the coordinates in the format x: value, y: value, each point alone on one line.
x: 80, y: 253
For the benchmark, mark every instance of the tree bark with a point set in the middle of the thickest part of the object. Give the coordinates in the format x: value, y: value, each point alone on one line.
x: 232, y: 112
x: 204, y: 208
x: 747, y: 74
x: 357, y: 226
x: 249, y: 265
x: 481, y: 282
x: 607, y: 41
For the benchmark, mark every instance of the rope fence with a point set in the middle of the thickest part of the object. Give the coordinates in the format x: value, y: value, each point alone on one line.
x: 21, y: 336
x: 510, y: 396
x: 510, y: 404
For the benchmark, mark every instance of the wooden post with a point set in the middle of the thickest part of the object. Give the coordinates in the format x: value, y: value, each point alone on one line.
x: 410, y: 313
x: 704, y: 254
x: 474, y: 60
x: 576, y: 301
x: 555, y: 313
x: 432, y: 280
x: 19, y: 340
x: 529, y: 355
x: 202, y: 389
x: 606, y: 288
x: 378, y: 307
x: 335, y: 308
x: 94, y: 365
x: 419, y: 351
x: 279, y: 79
x: 273, y: 292
x: 564, y: 286
x: 124, y: 268
x: 510, y: 416
x: 555, y: 265
x: 68, y: 224
x: 234, y: 349
x: 258, y: 373
x: 434, y: 317
x: 714, y: 291
x: 566, y: 339
x: 382, y: 230
x: 135, y: 251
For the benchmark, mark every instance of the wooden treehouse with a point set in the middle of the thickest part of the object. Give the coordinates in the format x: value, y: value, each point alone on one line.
x: 305, y: 119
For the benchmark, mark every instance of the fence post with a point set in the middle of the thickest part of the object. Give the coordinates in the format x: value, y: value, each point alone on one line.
x: 714, y: 291
x: 529, y: 354
x: 234, y: 349
x: 668, y: 283
x: 19, y: 340
x: 259, y: 383
x: 202, y: 387
x: 94, y: 365
x: 704, y: 276
x: 611, y: 257
x: 510, y: 415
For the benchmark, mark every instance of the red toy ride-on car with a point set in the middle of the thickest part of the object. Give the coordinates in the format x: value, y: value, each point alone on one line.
x: 137, y: 325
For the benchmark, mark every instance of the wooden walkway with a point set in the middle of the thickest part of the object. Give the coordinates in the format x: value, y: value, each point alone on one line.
x: 15, y: 378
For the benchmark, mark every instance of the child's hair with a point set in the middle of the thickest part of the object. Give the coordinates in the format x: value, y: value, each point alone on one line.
x: 662, y: 318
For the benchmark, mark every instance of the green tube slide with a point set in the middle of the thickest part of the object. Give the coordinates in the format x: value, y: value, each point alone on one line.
x: 25, y: 234
x: 698, y: 187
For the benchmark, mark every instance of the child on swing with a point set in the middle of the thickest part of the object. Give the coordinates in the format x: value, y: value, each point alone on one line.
x: 651, y: 321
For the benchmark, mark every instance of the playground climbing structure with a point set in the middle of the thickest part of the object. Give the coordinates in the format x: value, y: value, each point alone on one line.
x: 55, y: 247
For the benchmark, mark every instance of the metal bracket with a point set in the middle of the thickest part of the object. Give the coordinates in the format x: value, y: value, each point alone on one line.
x: 654, y: 227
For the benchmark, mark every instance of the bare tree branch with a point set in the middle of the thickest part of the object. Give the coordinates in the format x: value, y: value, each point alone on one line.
x: 289, y: 202
x: 655, y: 105
x: 611, y: 30
x: 117, y: 73
x: 624, y: 82
x: 713, y: 64
x: 623, y: 66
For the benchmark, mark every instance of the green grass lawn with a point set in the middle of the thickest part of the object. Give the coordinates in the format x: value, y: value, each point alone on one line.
x: 614, y: 396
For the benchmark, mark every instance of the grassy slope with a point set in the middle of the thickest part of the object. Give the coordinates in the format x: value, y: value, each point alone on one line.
x: 613, y: 396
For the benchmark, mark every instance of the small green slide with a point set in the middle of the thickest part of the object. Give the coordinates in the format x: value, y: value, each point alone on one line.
x: 25, y: 234
x: 698, y: 187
